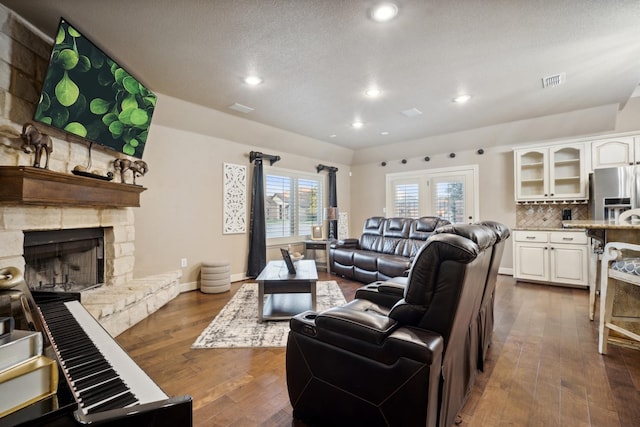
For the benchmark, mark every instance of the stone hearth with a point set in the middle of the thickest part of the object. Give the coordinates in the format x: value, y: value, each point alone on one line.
x: 122, y: 301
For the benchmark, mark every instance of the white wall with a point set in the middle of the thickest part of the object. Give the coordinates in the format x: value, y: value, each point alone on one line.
x: 495, y: 172
x: 181, y: 210
x: 495, y: 165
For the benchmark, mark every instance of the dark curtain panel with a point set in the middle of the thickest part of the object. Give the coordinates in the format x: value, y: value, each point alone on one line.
x: 333, y: 201
x: 257, y: 225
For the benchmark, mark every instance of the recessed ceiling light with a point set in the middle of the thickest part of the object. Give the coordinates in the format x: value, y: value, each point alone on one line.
x: 332, y: 135
x: 384, y: 12
x: 372, y: 92
x: 252, y: 80
x: 357, y: 124
x: 461, y: 99
x: 385, y: 133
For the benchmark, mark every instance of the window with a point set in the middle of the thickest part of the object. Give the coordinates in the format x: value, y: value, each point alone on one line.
x: 293, y: 203
x: 406, y: 199
x: 447, y: 192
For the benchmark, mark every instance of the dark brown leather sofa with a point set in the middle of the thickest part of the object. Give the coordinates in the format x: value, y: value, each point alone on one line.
x: 385, y: 248
x: 405, y: 365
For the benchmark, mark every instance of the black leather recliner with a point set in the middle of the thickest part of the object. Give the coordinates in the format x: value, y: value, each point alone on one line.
x: 486, y: 315
x: 388, y: 292
x: 366, y: 364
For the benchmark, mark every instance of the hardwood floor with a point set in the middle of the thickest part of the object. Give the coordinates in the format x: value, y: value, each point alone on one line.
x: 543, y: 368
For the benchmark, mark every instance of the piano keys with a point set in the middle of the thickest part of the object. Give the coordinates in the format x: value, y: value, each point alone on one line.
x: 103, y: 386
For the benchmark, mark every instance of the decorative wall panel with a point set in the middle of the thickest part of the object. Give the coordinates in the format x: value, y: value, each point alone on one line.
x: 235, y: 199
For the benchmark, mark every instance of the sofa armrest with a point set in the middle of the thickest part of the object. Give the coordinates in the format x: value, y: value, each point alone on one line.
x: 369, y: 325
x: 385, y: 293
x: 346, y: 243
x: 369, y: 334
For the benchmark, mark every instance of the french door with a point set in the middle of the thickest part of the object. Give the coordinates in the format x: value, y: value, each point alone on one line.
x: 450, y: 193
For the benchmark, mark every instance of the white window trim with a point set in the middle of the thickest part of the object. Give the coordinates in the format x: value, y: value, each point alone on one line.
x: 423, y: 175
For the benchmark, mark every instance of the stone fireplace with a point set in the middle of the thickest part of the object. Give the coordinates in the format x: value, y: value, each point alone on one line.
x: 36, y: 200
x: 122, y: 301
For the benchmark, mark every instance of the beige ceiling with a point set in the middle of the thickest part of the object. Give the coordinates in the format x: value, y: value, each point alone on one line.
x: 318, y: 56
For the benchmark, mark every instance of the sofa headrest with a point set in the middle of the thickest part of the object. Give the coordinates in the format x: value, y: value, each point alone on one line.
x: 482, y: 235
x: 424, y: 275
x: 422, y: 228
x: 373, y: 225
x: 397, y: 227
x: 502, y: 231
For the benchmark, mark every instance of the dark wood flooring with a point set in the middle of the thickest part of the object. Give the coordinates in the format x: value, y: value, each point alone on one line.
x: 543, y: 368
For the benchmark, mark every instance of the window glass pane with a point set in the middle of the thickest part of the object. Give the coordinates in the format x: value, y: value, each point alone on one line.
x: 406, y: 200
x: 278, y: 206
x: 449, y: 200
x: 308, y: 205
x: 293, y: 204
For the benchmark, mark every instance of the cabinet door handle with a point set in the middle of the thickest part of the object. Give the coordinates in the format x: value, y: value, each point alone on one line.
x: 545, y: 248
x: 567, y: 238
x: 552, y: 248
x: 531, y: 237
x: 551, y: 194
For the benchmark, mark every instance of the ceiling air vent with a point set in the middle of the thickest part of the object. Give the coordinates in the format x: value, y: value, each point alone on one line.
x: 555, y: 80
x: 411, y: 112
x: 241, y: 108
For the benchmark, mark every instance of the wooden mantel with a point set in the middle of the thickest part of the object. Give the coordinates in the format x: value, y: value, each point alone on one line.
x: 35, y: 186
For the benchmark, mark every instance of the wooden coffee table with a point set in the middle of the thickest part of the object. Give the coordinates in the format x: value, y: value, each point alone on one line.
x: 286, y: 294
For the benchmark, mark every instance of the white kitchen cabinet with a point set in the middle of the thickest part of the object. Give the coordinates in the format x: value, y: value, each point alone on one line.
x: 560, y: 257
x: 551, y: 173
x: 612, y: 152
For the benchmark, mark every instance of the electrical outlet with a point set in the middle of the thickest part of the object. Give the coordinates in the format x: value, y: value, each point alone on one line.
x: 183, y: 262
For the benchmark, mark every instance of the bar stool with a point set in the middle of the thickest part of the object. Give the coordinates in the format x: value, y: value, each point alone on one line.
x: 617, y: 267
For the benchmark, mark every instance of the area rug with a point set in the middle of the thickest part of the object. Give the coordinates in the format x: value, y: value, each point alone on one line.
x: 237, y: 325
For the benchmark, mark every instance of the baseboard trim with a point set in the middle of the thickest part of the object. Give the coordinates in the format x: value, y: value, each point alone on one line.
x: 506, y: 271
x: 189, y: 286
x: 238, y: 277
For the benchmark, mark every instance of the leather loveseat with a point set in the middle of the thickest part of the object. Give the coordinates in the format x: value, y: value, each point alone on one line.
x: 405, y: 365
x: 384, y: 250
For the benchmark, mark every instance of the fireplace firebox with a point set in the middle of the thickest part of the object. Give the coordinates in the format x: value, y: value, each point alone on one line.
x: 70, y: 260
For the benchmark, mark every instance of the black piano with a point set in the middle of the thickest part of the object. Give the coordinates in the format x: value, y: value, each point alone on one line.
x: 99, y: 384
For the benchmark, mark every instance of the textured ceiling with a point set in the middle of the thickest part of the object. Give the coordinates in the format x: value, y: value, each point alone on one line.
x: 318, y: 56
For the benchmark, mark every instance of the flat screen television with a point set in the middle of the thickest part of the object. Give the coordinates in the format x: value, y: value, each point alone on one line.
x: 88, y: 94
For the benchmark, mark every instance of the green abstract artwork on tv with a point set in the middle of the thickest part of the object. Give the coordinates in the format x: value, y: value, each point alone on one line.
x: 88, y: 94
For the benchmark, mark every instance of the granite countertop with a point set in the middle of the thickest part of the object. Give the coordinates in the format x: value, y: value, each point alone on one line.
x: 599, y: 224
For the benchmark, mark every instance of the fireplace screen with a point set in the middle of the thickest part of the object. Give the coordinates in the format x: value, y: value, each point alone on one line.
x: 64, y: 260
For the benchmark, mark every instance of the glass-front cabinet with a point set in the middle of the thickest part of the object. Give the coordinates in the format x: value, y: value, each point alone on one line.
x: 531, y: 174
x: 551, y: 173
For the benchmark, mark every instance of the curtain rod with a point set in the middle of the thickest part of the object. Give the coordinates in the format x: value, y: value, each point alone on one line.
x: 253, y: 155
x: 329, y: 168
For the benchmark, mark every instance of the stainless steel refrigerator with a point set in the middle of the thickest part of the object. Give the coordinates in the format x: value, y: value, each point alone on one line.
x: 613, y: 191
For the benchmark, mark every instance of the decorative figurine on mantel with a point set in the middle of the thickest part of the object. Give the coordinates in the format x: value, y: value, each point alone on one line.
x: 40, y: 143
x: 137, y: 167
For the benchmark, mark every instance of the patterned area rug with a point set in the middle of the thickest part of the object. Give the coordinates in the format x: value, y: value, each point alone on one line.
x: 237, y: 323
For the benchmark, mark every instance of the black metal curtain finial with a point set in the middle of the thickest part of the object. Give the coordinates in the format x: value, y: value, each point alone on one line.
x: 331, y: 169
x: 254, y: 155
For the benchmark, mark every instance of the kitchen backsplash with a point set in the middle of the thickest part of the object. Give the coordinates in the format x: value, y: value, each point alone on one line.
x: 547, y: 214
